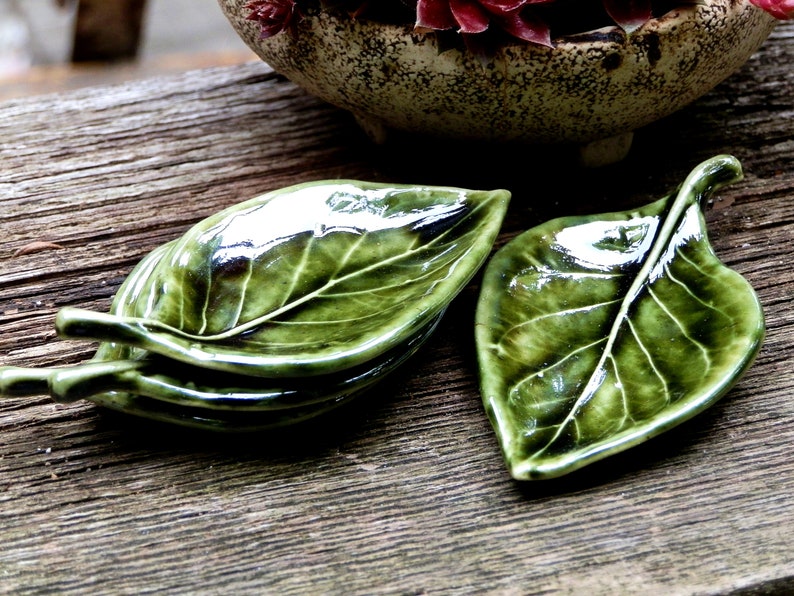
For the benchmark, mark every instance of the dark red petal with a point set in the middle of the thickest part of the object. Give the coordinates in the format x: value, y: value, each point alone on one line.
x: 273, y: 16
x: 470, y: 16
x: 434, y: 14
x: 523, y: 25
x: 629, y: 14
x: 780, y: 9
x: 501, y: 7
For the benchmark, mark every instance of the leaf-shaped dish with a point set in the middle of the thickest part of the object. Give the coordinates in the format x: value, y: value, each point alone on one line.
x: 305, y: 280
x: 596, y: 333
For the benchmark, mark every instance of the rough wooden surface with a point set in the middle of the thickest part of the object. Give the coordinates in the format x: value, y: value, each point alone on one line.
x: 405, y: 491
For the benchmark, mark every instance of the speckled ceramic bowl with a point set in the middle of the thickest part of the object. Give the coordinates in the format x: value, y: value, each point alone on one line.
x: 592, y: 89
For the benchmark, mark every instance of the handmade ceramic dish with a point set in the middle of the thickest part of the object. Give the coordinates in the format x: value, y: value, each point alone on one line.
x: 591, y: 89
x: 596, y: 333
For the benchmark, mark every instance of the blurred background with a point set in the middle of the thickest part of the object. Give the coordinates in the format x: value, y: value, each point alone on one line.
x: 53, y: 45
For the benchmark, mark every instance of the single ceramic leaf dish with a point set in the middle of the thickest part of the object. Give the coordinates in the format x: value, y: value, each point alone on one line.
x: 596, y: 333
x: 305, y: 280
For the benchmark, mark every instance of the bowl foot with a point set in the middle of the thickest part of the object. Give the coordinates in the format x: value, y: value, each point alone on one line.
x: 604, y: 152
x: 377, y: 132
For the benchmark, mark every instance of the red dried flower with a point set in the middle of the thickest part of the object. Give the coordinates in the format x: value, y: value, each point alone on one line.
x: 476, y: 20
x: 273, y: 16
x: 781, y: 9
x: 471, y: 17
x: 516, y: 16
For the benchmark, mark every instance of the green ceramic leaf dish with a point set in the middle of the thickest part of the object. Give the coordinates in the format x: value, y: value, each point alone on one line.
x: 227, y: 421
x: 305, y: 280
x: 596, y: 333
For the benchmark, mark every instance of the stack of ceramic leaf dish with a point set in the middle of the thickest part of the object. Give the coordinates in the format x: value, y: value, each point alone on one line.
x: 280, y: 308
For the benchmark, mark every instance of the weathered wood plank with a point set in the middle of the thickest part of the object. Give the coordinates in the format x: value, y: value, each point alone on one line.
x: 404, y: 492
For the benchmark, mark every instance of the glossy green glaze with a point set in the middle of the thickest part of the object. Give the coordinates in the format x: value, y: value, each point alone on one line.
x: 305, y: 280
x: 596, y: 333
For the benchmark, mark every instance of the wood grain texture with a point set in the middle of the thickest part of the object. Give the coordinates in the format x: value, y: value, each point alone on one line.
x: 405, y: 491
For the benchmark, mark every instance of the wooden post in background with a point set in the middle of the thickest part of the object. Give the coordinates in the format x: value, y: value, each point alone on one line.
x: 107, y: 30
